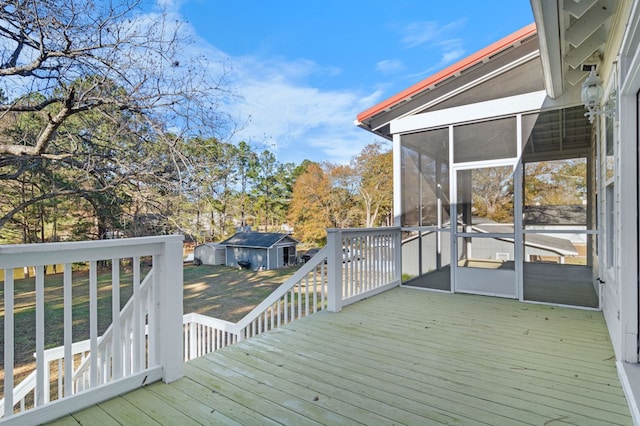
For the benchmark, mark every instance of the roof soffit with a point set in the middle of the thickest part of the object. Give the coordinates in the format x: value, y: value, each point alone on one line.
x: 573, y: 38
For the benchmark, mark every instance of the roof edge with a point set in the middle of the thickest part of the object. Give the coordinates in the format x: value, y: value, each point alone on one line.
x: 472, y: 59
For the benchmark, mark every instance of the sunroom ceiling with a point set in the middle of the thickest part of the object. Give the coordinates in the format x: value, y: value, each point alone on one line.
x: 573, y: 38
x: 556, y: 134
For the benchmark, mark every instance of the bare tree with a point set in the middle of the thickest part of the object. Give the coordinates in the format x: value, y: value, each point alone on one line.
x: 68, y: 62
x: 51, y: 47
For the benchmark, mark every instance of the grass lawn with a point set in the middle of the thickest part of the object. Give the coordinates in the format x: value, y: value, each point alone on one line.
x: 216, y: 291
x: 228, y: 293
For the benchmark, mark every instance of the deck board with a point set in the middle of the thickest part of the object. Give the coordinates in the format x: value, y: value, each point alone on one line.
x: 201, y: 412
x: 94, y: 415
x: 402, y: 357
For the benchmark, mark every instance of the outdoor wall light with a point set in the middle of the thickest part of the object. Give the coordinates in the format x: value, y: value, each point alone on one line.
x: 592, y: 94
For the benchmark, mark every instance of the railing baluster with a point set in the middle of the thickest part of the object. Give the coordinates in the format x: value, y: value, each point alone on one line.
x: 68, y: 333
x: 47, y: 381
x: 279, y: 313
x: 39, y: 400
x: 324, y: 284
x: 127, y: 346
x: 61, y: 392
x: 93, y: 322
x: 349, y: 266
x: 115, y: 313
x: 8, y: 343
x: 137, y: 317
x: 285, y: 307
x: 192, y: 341
x: 306, y: 299
x: 315, y: 290
x: 292, y: 305
x: 205, y: 339
x: 272, y: 316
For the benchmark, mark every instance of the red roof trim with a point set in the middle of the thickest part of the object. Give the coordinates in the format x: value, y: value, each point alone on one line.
x: 449, y: 71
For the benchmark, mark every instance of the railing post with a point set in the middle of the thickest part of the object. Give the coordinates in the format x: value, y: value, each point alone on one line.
x: 334, y: 270
x: 397, y: 255
x: 168, y: 305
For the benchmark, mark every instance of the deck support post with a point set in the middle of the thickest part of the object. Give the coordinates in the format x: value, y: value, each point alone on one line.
x: 168, y: 306
x: 334, y: 270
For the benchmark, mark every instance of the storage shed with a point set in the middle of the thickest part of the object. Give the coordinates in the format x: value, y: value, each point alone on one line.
x: 256, y: 250
x: 209, y: 254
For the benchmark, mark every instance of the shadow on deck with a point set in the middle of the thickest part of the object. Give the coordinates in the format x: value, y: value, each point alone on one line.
x: 405, y: 356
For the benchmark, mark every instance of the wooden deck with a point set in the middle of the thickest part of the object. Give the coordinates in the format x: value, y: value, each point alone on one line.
x: 406, y: 356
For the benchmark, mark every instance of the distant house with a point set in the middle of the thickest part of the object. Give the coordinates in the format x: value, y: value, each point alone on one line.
x: 260, y: 250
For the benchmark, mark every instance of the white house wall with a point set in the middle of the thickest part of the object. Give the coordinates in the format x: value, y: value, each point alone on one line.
x: 622, y: 311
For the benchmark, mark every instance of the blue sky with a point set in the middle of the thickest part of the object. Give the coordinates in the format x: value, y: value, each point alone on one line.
x: 304, y: 70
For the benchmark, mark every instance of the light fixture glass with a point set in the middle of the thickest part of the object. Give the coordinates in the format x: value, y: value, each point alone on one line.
x: 592, y: 94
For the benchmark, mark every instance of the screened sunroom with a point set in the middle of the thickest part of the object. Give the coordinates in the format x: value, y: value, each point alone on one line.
x: 524, y: 226
x: 494, y: 181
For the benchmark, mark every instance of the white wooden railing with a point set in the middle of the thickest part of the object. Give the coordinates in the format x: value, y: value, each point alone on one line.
x: 362, y: 263
x: 355, y: 264
x: 138, y: 347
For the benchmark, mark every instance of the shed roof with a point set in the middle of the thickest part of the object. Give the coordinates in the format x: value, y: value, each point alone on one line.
x: 257, y: 239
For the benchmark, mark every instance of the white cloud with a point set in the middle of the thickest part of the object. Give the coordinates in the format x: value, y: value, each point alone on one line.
x: 277, y: 109
x: 171, y: 6
x: 389, y: 66
x: 299, y: 121
x: 420, y: 33
x: 452, y: 50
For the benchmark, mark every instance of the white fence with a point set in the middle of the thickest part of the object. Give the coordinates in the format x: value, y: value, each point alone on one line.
x: 138, y: 347
x: 141, y: 344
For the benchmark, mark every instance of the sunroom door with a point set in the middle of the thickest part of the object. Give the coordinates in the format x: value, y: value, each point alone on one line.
x: 484, y: 239
x: 485, y: 155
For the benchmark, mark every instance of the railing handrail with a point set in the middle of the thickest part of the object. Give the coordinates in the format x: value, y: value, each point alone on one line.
x: 58, y: 352
x: 84, y: 245
x: 360, y: 231
x: 208, y: 321
x: 20, y: 255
